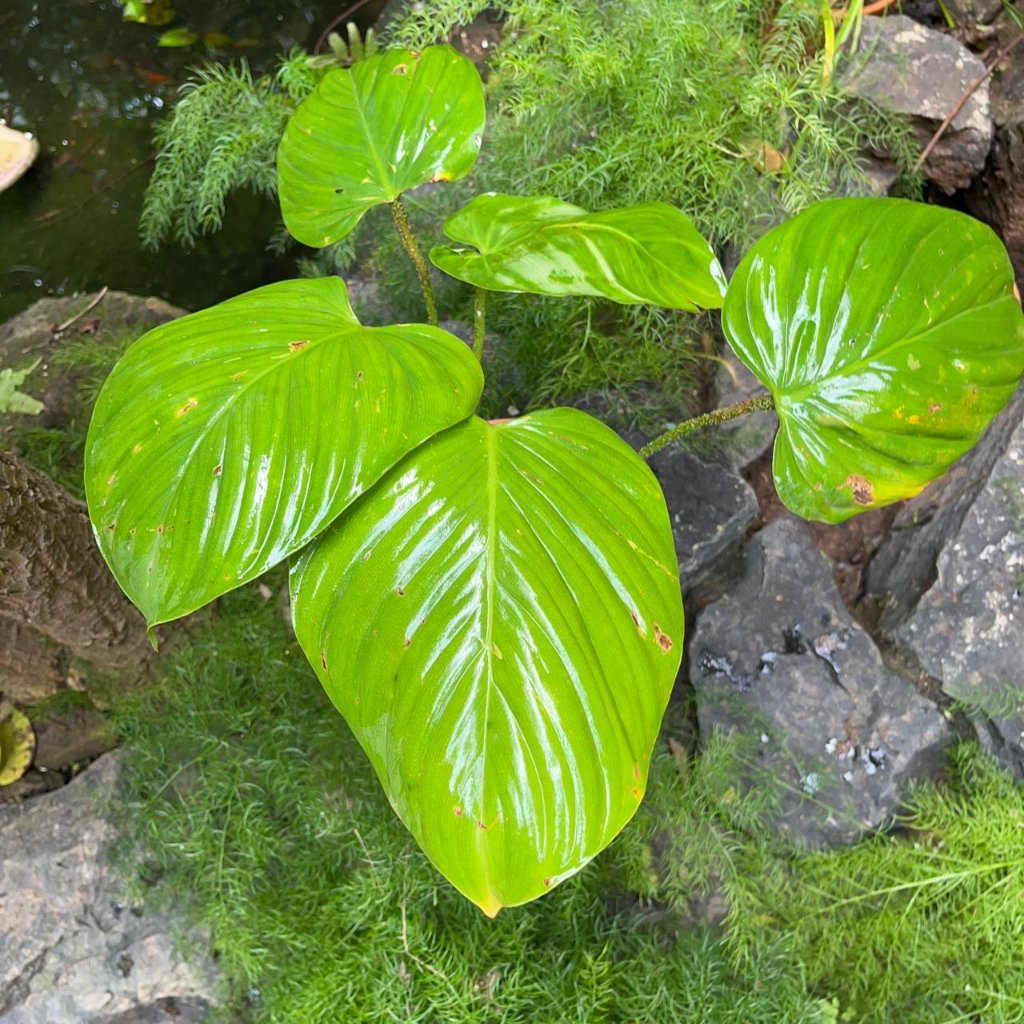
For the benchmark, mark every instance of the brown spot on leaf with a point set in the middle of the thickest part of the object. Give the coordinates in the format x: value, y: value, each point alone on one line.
x: 663, y: 639
x: 366, y: 557
x: 636, y: 770
x: 112, y: 526
x: 862, y: 489
x: 637, y: 794
x: 131, y: 532
x: 160, y: 528
x: 359, y: 376
x: 218, y: 469
x: 934, y: 407
x: 480, y: 825
x: 136, y: 449
x: 406, y: 643
x: 297, y: 346
x: 400, y: 69
x: 187, y: 407
x: 635, y: 616
x: 401, y: 591
x: 238, y: 376
x: 547, y: 881
x: 457, y: 811
x: 323, y: 659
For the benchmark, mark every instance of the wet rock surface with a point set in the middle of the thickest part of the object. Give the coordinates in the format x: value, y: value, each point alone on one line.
x: 967, y: 630
x: 32, y: 336
x: 711, y: 508
x: 922, y: 74
x: 904, y: 567
x: 781, y: 660
x: 997, y: 197
x: 72, y: 950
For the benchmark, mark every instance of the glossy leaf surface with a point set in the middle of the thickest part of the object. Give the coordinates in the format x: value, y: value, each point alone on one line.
x: 370, y: 132
x: 641, y: 254
x: 889, y: 336
x: 500, y: 622
x: 224, y: 441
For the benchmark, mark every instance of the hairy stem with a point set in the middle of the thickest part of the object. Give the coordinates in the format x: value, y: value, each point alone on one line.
x: 479, y: 313
x: 709, y: 419
x: 413, y: 249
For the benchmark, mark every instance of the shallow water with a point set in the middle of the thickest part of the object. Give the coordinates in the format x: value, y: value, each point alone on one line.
x: 91, y: 87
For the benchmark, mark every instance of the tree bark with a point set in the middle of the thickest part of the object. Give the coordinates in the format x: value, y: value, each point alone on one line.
x: 52, y: 576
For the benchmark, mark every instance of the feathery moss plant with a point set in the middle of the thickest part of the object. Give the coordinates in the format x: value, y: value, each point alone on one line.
x: 246, y: 792
x: 58, y: 451
x: 716, y: 107
x: 731, y: 123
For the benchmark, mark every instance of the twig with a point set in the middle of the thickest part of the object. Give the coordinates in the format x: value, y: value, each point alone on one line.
x: 1000, y: 56
x: 78, y: 316
x: 876, y: 8
x: 412, y: 956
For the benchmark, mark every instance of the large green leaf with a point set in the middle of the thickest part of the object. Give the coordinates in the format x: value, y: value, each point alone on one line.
x: 888, y: 333
x: 650, y: 253
x: 226, y: 440
x: 372, y: 131
x: 500, y: 622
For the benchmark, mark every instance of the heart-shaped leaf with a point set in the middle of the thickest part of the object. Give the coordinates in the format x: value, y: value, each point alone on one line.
x: 370, y: 132
x: 649, y: 254
x: 889, y: 336
x: 500, y: 622
x: 226, y: 440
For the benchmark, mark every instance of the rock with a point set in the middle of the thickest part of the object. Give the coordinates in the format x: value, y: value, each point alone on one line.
x: 780, y: 660
x: 711, y: 508
x: 904, y: 566
x: 975, y: 12
x: 71, y: 950
x: 967, y: 630
x: 745, y: 438
x: 63, y: 740
x: 30, y: 336
x: 922, y: 74
x: 997, y: 197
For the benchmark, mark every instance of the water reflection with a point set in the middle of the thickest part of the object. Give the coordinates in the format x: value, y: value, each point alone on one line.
x: 91, y: 88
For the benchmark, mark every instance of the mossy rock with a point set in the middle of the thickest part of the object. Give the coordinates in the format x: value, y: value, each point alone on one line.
x: 32, y: 336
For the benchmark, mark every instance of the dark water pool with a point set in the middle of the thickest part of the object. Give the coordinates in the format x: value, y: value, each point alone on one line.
x: 91, y: 88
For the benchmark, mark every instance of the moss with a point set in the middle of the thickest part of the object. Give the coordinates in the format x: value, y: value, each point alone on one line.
x: 616, y: 104
x: 83, y: 363
x: 248, y: 791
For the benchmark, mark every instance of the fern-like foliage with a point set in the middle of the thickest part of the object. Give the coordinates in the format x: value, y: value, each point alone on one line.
x: 924, y: 924
x: 615, y: 104
x: 221, y: 136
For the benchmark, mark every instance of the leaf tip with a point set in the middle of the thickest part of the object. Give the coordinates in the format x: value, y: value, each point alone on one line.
x: 490, y: 905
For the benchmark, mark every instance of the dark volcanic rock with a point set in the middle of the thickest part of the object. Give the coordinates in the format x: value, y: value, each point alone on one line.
x: 967, y: 630
x: 780, y: 660
x: 711, y: 508
x: 904, y: 567
x: 71, y: 950
x: 997, y: 197
x: 921, y: 74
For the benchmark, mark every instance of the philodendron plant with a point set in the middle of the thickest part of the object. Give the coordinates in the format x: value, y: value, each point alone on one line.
x: 495, y: 606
